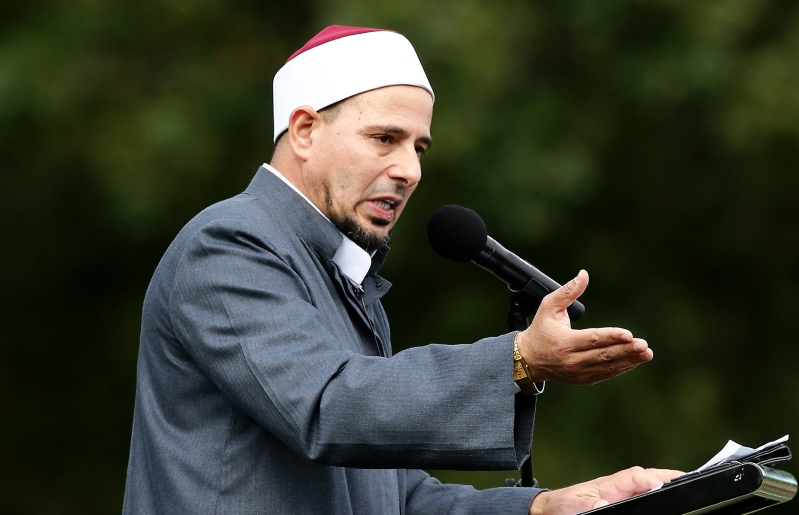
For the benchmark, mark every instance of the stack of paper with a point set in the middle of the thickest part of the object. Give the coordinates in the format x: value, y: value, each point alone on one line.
x: 733, y: 451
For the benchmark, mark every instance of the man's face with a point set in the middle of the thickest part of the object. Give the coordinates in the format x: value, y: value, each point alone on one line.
x: 364, y: 162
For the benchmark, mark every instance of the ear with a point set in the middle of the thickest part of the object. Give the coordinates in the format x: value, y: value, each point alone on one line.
x: 304, y: 121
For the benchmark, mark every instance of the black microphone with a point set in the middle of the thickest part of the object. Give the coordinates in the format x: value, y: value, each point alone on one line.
x: 459, y: 234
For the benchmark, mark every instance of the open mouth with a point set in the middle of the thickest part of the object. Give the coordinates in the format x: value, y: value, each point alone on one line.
x: 382, y: 210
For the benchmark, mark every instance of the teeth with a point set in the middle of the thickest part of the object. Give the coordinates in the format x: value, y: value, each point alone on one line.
x: 385, y: 204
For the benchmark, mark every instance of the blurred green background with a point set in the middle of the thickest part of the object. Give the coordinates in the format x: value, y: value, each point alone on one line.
x: 652, y: 142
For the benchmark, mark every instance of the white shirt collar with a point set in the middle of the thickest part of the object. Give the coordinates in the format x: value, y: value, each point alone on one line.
x: 352, y: 260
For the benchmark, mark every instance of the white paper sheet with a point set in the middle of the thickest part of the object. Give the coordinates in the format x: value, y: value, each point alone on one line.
x: 733, y: 451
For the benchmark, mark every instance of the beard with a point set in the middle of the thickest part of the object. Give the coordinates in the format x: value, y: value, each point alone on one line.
x: 368, y: 241
x: 350, y: 227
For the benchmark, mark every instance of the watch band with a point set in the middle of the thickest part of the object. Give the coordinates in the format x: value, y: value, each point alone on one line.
x: 521, y: 376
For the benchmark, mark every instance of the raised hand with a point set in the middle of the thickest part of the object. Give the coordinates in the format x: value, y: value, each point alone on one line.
x: 556, y: 352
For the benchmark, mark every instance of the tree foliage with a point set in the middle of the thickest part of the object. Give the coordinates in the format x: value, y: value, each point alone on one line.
x: 653, y: 143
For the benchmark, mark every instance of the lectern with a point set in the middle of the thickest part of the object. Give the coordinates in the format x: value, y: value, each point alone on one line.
x: 733, y: 488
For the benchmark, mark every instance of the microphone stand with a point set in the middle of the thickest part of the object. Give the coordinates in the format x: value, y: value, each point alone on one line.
x: 522, y: 306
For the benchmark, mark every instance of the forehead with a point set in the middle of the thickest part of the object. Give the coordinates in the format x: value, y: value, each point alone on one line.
x: 400, y: 104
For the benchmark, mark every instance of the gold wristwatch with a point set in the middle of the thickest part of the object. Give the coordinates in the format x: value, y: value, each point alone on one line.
x: 521, y: 376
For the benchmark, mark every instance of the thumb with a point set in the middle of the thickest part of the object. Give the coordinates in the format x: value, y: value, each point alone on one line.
x: 564, y: 296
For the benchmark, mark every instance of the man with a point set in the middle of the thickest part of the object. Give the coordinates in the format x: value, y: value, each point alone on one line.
x: 266, y: 381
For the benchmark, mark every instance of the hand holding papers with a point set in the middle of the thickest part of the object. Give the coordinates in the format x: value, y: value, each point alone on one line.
x: 736, y: 481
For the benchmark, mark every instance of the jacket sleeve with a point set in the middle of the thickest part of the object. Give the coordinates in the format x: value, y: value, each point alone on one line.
x: 425, y: 495
x: 246, y: 317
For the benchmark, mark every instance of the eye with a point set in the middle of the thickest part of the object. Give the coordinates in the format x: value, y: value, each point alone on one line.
x: 420, y: 150
x: 385, y: 139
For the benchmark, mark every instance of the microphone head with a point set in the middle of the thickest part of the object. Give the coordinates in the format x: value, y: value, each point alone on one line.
x: 457, y: 233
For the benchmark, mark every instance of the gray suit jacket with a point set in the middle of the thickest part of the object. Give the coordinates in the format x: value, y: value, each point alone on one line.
x: 266, y: 382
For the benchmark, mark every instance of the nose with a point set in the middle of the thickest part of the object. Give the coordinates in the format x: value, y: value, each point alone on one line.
x: 406, y: 170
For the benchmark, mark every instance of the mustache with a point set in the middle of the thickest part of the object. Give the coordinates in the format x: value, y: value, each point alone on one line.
x: 394, y: 189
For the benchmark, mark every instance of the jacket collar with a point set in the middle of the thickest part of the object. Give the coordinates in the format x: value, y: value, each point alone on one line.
x: 303, y: 217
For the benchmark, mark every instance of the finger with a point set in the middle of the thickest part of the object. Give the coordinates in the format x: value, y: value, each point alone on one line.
x: 606, y: 360
x: 634, y: 481
x: 665, y: 474
x: 636, y: 351
x: 607, y: 370
x: 565, y: 296
x: 644, y: 480
x: 585, y: 339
